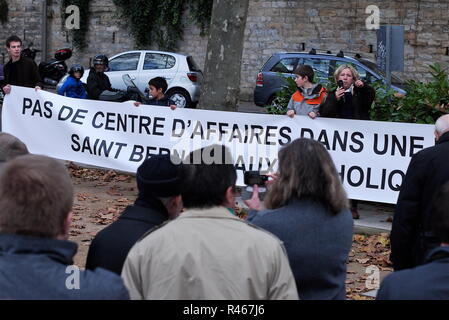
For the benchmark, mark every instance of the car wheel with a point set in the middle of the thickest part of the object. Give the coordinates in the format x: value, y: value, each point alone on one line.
x: 180, y: 97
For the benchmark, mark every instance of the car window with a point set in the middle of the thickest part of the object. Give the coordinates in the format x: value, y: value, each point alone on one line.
x: 158, y: 61
x: 320, y: 67
x: 394, y: 79
x: 125, y: 62
x: 192, y: 65
x: 287, y: 65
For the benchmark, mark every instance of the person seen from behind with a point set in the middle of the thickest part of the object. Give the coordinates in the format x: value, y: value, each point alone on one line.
x: 36, y: 258
x: 430, y: 280
x: 307, y: 209
x: 208, y: 252
x: 159, y: 185
x: 309, y: 95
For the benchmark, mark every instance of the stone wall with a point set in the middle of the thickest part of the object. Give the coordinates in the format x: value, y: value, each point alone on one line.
x: 109, y: 34
x: 272, y: 26
x: 25, y: 21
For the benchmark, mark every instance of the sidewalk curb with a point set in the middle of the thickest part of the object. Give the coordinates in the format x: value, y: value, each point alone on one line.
x: 369, y: 230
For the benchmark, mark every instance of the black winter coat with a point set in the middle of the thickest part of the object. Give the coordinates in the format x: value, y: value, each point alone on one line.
x: 111, y: 245
x: 411, y: 233
x: 358, y: 107
x: 97, y: 82
x: 426, y: 282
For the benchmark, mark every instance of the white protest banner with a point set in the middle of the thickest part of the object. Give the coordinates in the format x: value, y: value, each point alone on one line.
x: 371, y: 157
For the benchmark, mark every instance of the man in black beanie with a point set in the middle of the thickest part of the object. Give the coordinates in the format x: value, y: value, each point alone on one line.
x: 159, y: 199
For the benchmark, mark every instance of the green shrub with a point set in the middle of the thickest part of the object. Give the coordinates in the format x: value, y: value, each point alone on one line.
x: 423, y: 103
x: 280, y: 103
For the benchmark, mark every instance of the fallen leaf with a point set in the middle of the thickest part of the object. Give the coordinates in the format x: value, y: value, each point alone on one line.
x: 74, y: 232
x: 362, y: 261
x: 349, y: 281
x: 123, y: 178
x: 114, y: 192
x: 112, y: 210
x: 359, y: 238
x: 109, y: 175
x: 101, y: 184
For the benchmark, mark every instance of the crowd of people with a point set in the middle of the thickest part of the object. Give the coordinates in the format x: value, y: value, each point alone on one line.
x: 181, y: 239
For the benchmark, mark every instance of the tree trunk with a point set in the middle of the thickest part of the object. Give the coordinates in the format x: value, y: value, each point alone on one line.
x: 221, y: 86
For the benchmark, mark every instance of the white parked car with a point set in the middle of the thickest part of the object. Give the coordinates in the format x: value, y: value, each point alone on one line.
x: 183, y: 76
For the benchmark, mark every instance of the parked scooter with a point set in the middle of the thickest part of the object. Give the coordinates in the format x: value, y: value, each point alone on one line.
x: 132, y: 92
x: 30, y: 52
x: 50, y: 71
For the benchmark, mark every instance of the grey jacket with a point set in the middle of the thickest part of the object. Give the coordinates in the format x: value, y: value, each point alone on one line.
x: 306, y: 100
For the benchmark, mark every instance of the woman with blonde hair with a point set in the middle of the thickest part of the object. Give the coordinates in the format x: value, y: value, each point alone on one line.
x: 352, y: 99
x: 308, y: 211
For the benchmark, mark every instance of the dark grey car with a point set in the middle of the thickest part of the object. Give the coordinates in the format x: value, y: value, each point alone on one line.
x: 269, y: 82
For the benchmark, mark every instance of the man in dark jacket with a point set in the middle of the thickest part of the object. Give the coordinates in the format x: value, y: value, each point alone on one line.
x: 97, y: 81
x: 36, y: 197
x: 19, y: 71
x: 159, y: 185
x: 411, y: 234
x: 429, y: 281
